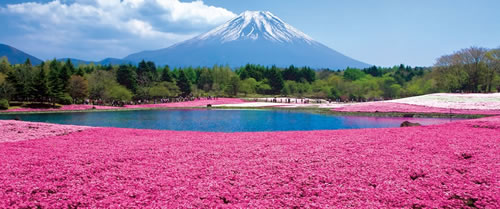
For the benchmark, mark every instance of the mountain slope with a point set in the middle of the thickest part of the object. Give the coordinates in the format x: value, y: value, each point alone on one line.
x: 107, y: 61
x: 16, y: 56
x: 252, y: 37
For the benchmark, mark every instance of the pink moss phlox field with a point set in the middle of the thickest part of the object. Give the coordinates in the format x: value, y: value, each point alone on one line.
x: 408, y: 108
x: 196, y: 103
x: 13, y: 131
x: 453, y: 165
x: 63, y: 108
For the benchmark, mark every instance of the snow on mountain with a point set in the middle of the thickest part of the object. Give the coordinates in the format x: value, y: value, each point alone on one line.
x: 255, y: 24
x: 252, y: 37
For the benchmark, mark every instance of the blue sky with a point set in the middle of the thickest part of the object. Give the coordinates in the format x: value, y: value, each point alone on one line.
x: 383, y: 32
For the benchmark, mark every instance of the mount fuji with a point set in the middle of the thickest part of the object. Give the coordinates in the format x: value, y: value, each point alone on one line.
x: 253, y: 37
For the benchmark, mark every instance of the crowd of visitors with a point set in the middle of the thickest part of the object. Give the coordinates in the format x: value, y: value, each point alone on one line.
x: 313, y: 101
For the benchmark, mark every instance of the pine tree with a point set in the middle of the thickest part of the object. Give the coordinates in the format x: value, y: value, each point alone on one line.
x: 54, y: 82
x: 165, y: 74
x: 184, y: 84
x: 64, y: 75
x: 143, y: 74
x: 127, y: 77
x: 80, y: 72
x: 25, y: 76
x: 142, y: 68
x: 40, y: 87
x: 70, y: 66
x: 13, y: 79
x: 28, y: 62
x: 153, y: 74
x: 276, y: 80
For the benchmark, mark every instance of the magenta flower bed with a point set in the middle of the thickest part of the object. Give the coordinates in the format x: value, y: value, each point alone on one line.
x: 196, y: 103
x: 408, y: 108
x: 13, y: 131
x: 452, y: 165
x: 63, y: 108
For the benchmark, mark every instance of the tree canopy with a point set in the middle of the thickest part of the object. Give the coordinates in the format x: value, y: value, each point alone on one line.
x: 473, y: 69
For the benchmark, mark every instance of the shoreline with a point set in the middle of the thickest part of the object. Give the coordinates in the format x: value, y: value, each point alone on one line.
x: 439, y: 105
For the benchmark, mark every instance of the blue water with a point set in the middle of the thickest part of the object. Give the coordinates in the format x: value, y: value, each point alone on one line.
x: 220, y: 120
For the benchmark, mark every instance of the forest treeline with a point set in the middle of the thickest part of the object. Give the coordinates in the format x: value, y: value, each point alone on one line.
x: 468, y: 70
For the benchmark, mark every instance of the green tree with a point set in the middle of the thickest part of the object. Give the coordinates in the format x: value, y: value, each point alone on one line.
x: 54, y: 82
x: 127, y: 77
x: 353, y: 74
x: 184, y: 84
x: 450, y: 76
x: 320, y: 89
x: 65, y: 74
x: 14, y: 81
x: 80, y: 72
x: 276, y: 80
x: 173, y: 89
x: 166, y: 75
x: 21, y: 79
x: 296, y: 88
x: 233, y: 87
x: 5, y: 66
x: 308, y: 74
x: 28, y: 63
x: 248, y: 86
x: 4, y: 104
x: 99, y: 82
x: 146, y: 73
x: 390, y: 87
x: 70, y: 66
x: 493, y: 69
x: 6, y: 89
x: 292, y: 74
x: 205, y: 80
x: 40, y: 87
x: 117, y: 93
x: 159, y: 91
x: 263, y: 87
x: 78, y: 87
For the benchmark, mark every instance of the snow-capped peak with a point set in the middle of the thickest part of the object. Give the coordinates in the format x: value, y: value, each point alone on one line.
x: 256, y: 25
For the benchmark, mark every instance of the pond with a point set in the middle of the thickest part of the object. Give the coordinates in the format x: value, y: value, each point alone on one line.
x: 217, y: 120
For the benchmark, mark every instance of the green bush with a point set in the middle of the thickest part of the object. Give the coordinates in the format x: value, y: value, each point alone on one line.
x: 117, y: 93
x: 66, y: 100
x: 4, y: 104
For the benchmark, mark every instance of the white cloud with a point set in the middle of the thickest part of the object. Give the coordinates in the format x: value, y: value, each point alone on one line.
x: 137, y: 24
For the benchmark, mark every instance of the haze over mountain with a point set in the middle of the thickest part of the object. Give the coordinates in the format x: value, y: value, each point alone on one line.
x: 252, y: 37
x: 16, y: 56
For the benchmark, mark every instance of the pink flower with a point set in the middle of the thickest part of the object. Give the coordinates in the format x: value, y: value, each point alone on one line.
x: 196, y: 103
x: 453, y: 165
x: 408, y: 108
